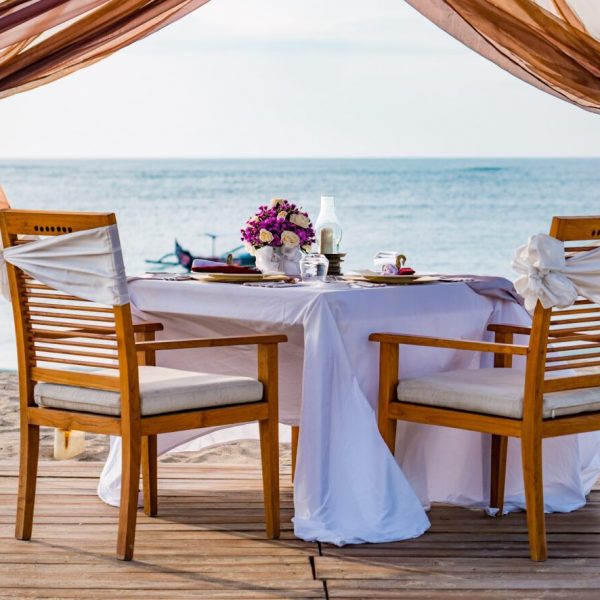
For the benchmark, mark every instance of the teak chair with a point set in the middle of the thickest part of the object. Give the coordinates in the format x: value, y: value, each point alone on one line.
x: 122, y: 393
x: 504, y: 402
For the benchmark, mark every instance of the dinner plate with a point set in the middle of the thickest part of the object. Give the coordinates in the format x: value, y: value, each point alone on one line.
x: 373, y: 277
x: 238, y: 277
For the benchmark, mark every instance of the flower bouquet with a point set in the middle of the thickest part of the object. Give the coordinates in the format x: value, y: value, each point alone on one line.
x: 277, y: 235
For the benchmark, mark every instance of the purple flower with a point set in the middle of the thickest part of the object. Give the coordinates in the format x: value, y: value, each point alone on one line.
x: 267, y: 218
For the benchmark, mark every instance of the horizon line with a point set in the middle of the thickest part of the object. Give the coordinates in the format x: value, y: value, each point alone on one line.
x: 156, y: 158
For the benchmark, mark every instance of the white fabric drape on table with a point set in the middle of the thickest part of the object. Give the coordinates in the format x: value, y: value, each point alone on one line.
x: 550, y: 278
x: 87, y: 264
x: 347, y: 488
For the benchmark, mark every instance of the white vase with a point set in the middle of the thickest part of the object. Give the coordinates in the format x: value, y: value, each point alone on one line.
x: 282, y: 259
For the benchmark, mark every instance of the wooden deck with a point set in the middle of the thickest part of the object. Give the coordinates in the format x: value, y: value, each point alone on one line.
x: 208, y: 542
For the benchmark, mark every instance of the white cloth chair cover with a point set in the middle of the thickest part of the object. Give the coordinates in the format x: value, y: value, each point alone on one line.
x: 550, y: 278
x: 4, y: 289
x: 87, y: 264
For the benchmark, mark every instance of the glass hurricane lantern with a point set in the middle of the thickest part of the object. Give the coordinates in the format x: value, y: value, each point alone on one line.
x: 329, y: 234
x: 328, y: 227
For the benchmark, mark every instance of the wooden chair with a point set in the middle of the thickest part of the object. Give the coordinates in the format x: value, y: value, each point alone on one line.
x: 541, y: 403
x: 119, y: 394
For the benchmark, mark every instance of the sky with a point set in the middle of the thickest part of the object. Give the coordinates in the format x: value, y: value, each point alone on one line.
x: 294, y: 78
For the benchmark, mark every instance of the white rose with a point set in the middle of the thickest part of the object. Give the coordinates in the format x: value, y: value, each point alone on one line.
x: 277, y: 201
x: 254, y: 218
x: 265, y: 236
x: 289, y: 238
x: 300, y: 220
x: 282, y: 215
x: 250, y: 248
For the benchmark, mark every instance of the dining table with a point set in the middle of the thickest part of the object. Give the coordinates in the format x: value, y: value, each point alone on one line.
x: 348, y: 487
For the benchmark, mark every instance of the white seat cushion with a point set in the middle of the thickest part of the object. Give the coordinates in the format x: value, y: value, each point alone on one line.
x: 492, y: 392
x: 161, y: 391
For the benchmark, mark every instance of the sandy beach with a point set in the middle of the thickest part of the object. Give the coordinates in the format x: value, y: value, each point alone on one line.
x: 96, y: 446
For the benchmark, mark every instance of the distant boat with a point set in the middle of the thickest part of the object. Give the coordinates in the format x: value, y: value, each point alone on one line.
x: 181, y: 257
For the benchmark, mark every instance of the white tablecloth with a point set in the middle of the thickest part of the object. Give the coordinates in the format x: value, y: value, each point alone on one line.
x: 348, y: 487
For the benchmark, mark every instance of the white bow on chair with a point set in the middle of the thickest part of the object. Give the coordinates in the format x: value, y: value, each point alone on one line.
x: 550, y: 278
x: 87, y: 264
x: 4, y: 289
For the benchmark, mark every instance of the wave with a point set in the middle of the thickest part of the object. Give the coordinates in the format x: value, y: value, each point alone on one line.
x: 484, y: 169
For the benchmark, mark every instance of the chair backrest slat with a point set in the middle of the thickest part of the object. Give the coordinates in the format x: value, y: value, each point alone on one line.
x: 571, y: 357
x: 575, y: 249
x: 583, y: 364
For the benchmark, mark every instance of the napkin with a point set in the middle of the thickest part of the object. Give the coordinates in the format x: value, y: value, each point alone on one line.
x: 201, y: 265
x: 491, y: 286
x: 390, y: 263
x: 393, y: 270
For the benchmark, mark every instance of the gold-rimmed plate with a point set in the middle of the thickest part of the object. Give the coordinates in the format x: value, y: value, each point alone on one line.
x: 372, y: 277
x: 238, y: 277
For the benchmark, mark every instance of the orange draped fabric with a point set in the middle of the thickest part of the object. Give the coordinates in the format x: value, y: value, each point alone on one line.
x: 43, y: 40
x: 551, y: 44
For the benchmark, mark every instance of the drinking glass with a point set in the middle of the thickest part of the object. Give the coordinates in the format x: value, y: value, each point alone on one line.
x: 313, y: 268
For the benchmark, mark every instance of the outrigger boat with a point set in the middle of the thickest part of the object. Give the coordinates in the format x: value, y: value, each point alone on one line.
x: 182, y: 257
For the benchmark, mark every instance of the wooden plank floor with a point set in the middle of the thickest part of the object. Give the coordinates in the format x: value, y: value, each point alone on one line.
x: 208, y: 542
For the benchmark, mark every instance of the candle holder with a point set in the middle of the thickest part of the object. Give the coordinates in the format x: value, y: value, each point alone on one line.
x: 328, y: 228
x: 335, y: 264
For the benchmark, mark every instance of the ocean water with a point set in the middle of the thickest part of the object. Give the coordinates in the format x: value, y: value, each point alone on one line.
x: 451, y: 216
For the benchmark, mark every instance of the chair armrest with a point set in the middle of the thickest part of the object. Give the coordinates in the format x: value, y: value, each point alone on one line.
x: 434, y: 342
x: 147, y: 327
x: 506, y: 328
x: 250, y: 340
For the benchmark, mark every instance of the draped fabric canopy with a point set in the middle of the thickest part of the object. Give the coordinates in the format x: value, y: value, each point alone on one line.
x: 43, y: 40
x: 551, y: 44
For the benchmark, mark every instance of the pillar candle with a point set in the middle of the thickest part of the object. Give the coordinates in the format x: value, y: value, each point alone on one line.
x: 326, y: 242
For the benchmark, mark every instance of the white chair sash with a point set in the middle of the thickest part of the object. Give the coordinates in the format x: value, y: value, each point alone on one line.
x: 548, y: 277
x: 87, y: 264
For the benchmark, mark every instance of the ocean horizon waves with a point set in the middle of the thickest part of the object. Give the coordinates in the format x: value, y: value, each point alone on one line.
x: 452, y: 216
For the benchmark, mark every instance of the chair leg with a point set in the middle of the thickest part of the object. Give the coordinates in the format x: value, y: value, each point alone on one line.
x: 531, y: 449
x: 387, y: 428
x: 150, y: 475
x: 498, y: 472
x: 269, y: 452
x: 130, y: 484
x: 295, y: 437
x: 28, y: 464
x: 388, y: 382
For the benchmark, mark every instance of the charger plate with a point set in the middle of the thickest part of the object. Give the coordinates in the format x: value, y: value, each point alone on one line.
x: 238, y: 277
x: 373, y: 277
